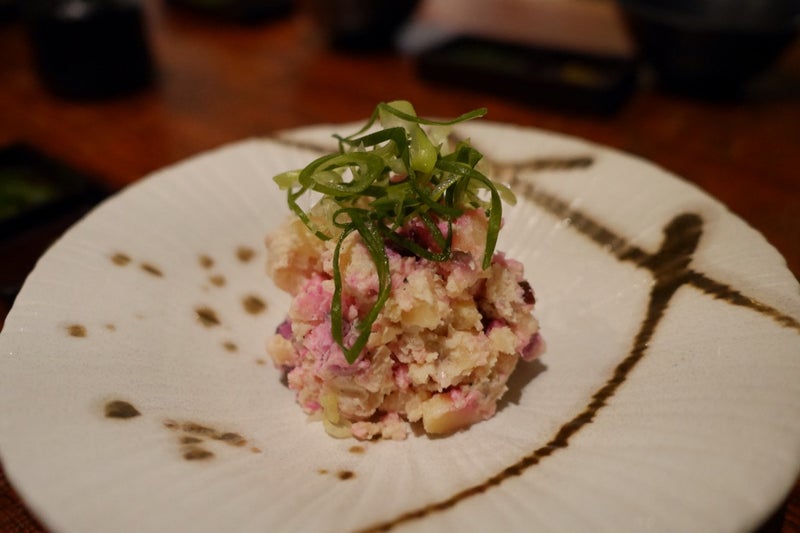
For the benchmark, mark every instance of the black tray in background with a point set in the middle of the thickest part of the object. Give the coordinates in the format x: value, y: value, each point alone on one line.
x: 558, y: 79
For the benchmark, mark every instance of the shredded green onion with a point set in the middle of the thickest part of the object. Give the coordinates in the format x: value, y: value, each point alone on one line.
x: 380, y: 180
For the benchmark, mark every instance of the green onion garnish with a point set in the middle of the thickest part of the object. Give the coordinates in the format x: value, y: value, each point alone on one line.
x: 380, y: 180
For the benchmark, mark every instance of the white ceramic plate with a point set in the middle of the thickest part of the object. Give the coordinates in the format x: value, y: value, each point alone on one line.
x: 668, y: 398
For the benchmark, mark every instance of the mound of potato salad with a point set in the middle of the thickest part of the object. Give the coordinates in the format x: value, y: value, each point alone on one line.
x: 403, y: 313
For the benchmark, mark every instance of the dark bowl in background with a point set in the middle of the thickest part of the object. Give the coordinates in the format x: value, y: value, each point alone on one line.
x: 240, y: 11
x: 89, y: 49
x: 9, y: 9
x: 710, y: 47
x: 361, y: 24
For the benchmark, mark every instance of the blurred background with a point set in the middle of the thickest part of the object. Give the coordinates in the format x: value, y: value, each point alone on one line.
x: 95, y: 94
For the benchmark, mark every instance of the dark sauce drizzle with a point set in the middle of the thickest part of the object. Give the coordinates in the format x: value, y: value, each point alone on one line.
x: 670, y: 269
x: 624, y: 251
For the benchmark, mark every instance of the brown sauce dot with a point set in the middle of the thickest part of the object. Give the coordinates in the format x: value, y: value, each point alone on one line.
x: 171, y: 424
x: 253, y: 304
x: 207, y: 316
x: 191, y: 427
x: 218, y: 280
x: 346, y: 474
x: 205, y: 261
x: 76, y: 330
x: 120, y: 409
x: 230, y: 346
x: 186, y: 439
x: 357, y: 450
x: 111, y: 327
x: 322, y: 472
x: 195, y: 453
x: 245, y: 253
x: 152, y: 270
x: 255, y: 449
x: 234, y: 439
x: 120, y: 259
x: 260, y: 361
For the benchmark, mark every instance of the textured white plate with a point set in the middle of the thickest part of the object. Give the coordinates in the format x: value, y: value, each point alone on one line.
x: 668, y: 398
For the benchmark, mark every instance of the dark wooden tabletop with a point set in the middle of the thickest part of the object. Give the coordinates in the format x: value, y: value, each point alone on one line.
x: 219, y: 82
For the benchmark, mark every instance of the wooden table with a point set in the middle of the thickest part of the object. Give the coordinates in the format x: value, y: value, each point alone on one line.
x: 222, y: 82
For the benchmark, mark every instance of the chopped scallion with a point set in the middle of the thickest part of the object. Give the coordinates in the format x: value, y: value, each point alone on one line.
x: 380, y: 181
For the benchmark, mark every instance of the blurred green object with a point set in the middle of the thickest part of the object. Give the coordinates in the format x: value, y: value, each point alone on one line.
x: 21, y: 190
x: 40, y: 197
x: 35, y: 189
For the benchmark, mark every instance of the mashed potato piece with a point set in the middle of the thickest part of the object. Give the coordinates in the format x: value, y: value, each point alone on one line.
x: 440, y: 352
